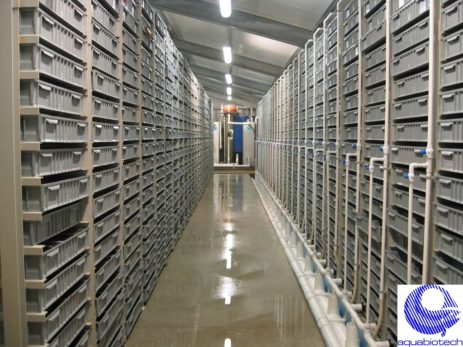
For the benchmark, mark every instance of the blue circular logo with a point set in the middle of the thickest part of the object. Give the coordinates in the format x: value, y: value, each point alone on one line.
x: 427, y: 321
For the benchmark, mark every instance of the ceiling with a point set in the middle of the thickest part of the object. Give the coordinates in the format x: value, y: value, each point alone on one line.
x: 264, y: 36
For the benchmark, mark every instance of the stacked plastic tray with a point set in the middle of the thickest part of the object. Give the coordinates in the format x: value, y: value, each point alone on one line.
x: 55, y: 184
x: 448, y: 215
x: 373, y: 45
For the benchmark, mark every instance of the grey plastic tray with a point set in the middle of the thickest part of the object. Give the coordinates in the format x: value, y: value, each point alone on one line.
x: 107, y: 269
x: 105, y: 84
x: 375, y: 113
x: 372, y: 150
x: 445, y: 272
x: 407, y: 154
x: 130, y: 151
x: 375, y: 95
x: 50, y: 161
x: 105, y: 226
x: 129, y: 40
x: 52, y: 224
x: 56, y: 254
x: 350, y: 54
x: 375, y: 57
x: 147, y: 86
x: 104, y: 132
x: 399, y: 223
x: 108, y: 294
x: 129, y: 58
x: 37, y: 22
x: 451, y: 102
x: 408, y: 86
x: 129, y: 114
x: 375, y: 76
x: 104, y: 62
x: 48, y: 96
x: 452, y: 45
x: 103, y: 16
x: 71, y: 330
x: 132, y: 244
x: 398, y: 177
x: 449, y: 218
x: 129, y: 20
x: 449, y: 244
x: 131, y: 133
x: 150, y: 118
x: 408, y: 13
x: 452, y: 15
x: 351, y: 102
x: 350, y: 23
x: 147, y: 71
x: 450, y: 131
x: 148, y: 102
x: 416, y: 34
x: 450, y: 160
x: 410, y: 108
x: 129, y: 77
x: 148, y: 164
x: 51, y: 129
x: 410, y: 60
x: 104, y: 109
x: 115, y: 335
x: 452, y: 73
x: 410, y: 132
x: 350, y: 85
x: 351, y: 70
x: 104, y: 155
x: 52, y: 195
x: 400, y: 198
x: 38, y: 300
x: 130, y: 208
x: 350, y: 117
x: 375, y: 35
x: 68, y: 11
x: 351, y: 38
x: 104, y: 38
x: 450, y: 188
x: 45, y: 60
x: 105, y: 203
x: 111, y: 315
x: 105, y: 246
x: 374, y: 132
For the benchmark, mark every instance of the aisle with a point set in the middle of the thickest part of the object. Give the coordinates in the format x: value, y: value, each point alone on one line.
x: 228, y: 283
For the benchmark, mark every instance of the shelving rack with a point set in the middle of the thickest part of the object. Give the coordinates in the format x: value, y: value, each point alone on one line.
x: 380, y: 155
x: 115, y: 144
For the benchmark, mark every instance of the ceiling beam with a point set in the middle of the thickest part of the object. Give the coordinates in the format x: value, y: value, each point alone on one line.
x: 238, y: 81
x: 240, y: 20
x: 237, y: 92
x: 238, y: 60
x: 220, y: 98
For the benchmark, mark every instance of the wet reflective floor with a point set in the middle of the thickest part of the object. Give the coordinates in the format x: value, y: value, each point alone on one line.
x: 227, y: 283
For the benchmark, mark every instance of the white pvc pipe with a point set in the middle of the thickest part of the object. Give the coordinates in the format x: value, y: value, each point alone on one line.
x: 348, y: 156
x: 411, y: 180
x: 371, y: 169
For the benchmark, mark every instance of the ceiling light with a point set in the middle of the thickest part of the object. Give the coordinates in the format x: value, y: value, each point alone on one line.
x: 229, y: 91
x: 225, y: 8
x: 228, y: 78
x: 227, y: 54
x: 229, y: 98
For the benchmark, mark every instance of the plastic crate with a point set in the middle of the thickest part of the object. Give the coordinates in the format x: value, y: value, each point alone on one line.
x: 111, y: 264
x: 129, y: 58
x: 449, y: 244
x: 410, y: 108
x: 374, y: 58
x: 45, y: 60
x: 129, y: 40
x: 131, y: 133
x: 132, y: 244
x: 104, y: 323
x: 132, y: 262
x: 105, y: 246
x: 399, y: 224
x: 445, y: 272
x: 374, y: 36
x: 108, y: 293
x: 400, y: 198
x: 71, y: 330
x: 350, y: 54
x: 410, y: 132
x: 105, y: 203
x: 104, y: 109
x: 51, y: 129
x: 375, y: 96
x: 130, y: 208
x: 351, y: 102
x: 104, y: 156
x: 52, y: 224
x: 50, y: 162
x: 375, y: 113
x: 37, y: 22
x: 130, y: 151
x: 52, y: 195
x: 106, y: 225
x: 372, y: 150
x: 103, y: 16
x: 131, y: 226
x: 129, y: 95
x: 351, y: 38
x: 48, y: 96
x: 375, y: 76
x: 452, y: 73
x: 135, y: 313
x: 399, y: 177
x: 452, y: 45
x: 104, y: 38
x: 451, y: 102
x: 41, y: 332
x: 416, y: 34
x: 449, y: 218
x: 105, y: 85
x: 129, y: 21
x: 129, y: 77
x: 104, y: 132
x: 450, y: 188
x: 38, y: 300
x: 411, y: 85
x: 408, y: 14
x: 68, y: 11
x: 374, y: 132
x: 131, y: 189
x: 351, y: 117
x: 350, y: 86
x: 452, y: 16
x: 131, y: 170
x: 450, y: 160
x: 410, y: 60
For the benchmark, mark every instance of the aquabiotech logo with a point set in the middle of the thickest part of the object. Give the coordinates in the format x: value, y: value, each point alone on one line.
x: 429, y: 315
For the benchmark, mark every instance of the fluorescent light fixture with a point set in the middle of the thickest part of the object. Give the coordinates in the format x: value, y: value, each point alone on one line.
x: 227, y: 343
x: 229, y: 98
x: 227, y: 54
x: 225, y: 8
x: 228, y: 78
x: 229, y: 91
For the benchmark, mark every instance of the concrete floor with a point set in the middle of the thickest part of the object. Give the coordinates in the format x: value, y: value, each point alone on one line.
x: 228, y: 282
